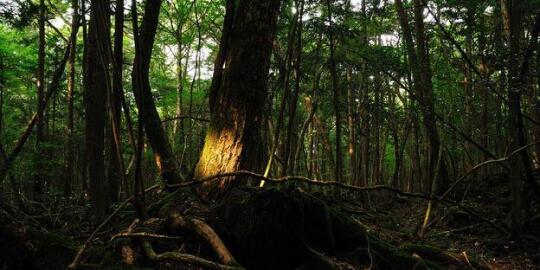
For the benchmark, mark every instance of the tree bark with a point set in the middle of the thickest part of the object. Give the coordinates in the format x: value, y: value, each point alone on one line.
x: 338, y: 170
x: 422, y: 75
x: 97, y: 82
x: 288, y: 160
x: 68, y: 173
x: 232, y: 140
x: 115, y: 171
x: 39, y: 179
x: 163, y: 154
x: 512, y: 10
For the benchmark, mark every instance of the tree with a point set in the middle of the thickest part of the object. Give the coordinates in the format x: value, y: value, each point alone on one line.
x: 148, y: 114
x: 232, y: 139
x: 420, y: 66
x: 512, y: 16
x: 115, y: 170
x: 97, y: 80
x: 40, y: 133
x: 338, y: 170
x: 68, y: 173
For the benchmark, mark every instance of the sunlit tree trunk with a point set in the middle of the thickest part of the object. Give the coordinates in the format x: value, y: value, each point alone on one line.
x: 232, y: 141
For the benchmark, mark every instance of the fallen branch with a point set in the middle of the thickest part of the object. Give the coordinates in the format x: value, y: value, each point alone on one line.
x: 185, y: 258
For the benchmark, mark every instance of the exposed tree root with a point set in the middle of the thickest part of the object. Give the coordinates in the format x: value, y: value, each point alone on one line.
x: 207, y: 233
x: 258, y: 229
x: 270, y: 229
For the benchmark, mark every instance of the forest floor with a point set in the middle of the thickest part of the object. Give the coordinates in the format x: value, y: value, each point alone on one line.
x: 454, y: 230
x: 474, y: 231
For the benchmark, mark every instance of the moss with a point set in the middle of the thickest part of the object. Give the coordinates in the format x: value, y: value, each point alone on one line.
x: 271, y: 229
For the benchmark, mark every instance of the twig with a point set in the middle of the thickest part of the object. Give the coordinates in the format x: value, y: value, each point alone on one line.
x: 144, y: 235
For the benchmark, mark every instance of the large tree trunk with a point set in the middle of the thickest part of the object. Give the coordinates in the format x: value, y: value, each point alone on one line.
x: 163, y: 154
x: 97, y: 82
x: 232, y: 140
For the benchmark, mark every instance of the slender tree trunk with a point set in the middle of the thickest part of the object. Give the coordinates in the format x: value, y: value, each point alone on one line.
x: 421, y: 69
x: 97, y: 83
x: 338, y: 170
x: 376, y: 123
x: 513, y: 11
x: 286, y: 70
x: 115, y: 171
x: 287, y: 160
x: 441, y: 182
x: 163, y: 154
x: 178, y: 123
x: 68, y: 171
x: 39, y: 173
x: 351, y: 128
x: 84, y: 11
x: 536, y: 104
x: 468, y: 86
x: 311, y: 106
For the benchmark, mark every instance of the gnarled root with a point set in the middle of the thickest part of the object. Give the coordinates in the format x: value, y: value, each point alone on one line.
x: 207, y: 233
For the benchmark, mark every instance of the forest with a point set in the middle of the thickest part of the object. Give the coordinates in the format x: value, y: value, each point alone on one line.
x: 269, y: 134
